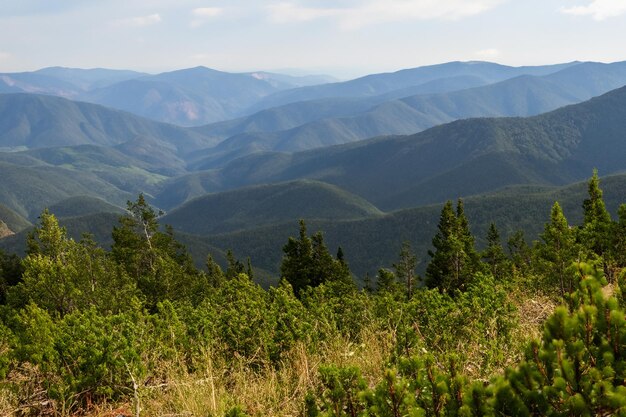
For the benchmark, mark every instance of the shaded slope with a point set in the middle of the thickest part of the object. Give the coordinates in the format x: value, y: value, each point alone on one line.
x: 34, y: 121
x: 185, y: 97
x: 369, y: 244
x: 247, y: 208
x: 13, y: 221
x: 28, y: 190
x: 554, y: 148
x: 519, y: 96
x: 377, y: 84
x: 82, y: 206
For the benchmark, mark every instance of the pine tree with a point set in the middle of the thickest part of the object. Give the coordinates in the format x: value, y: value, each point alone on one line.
x: 520, y: 253
x: 405, y: 268
x: 386, y: 281
x: 473, y: 258
x: 494, y: 254
x: 595, y: 234
x: 454, y: 260
x: 215, y: 275
x: 161, y: 266
x: 619, y: 237
x: 558, y: 250
x: 307, y: 262
x: 234, y: 266
x: 297, y: 264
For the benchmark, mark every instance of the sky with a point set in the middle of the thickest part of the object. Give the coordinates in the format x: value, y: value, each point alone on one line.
x: 345, y: 38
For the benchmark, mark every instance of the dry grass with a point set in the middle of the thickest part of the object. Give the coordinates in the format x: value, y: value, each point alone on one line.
x: 261, y: 390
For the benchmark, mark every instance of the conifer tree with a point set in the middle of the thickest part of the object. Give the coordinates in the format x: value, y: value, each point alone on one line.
x: 234, y: 266
x: 386, y: 281
x: 161, y: 266
x: 215, y: 275
x: 454, y: 260
x: 558, y: 250
x: 520, y: 252
x: 619, y: 237
x: 307, y: 262
x: 494, y: 254
x: 405, y: 268
x: 595, y: 233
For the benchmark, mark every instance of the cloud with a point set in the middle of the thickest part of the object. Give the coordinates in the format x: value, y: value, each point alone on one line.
x: 487, y: 53
x: 203, y: 14
x: 598, y: 9
x: 4, y: 56
x: 362, y: 14
x: 207, y: 11
x: 139, y: 21
x: 289, y: 12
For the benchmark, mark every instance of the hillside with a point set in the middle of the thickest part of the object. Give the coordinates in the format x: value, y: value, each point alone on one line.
x: 283, y: 129
x: 246, y: 208
x: 372, y: 243
x: 186, y: 97
x: 35, y: 121
x: 60, y: 81
x: 83, y: 205
x: 28, y: 190
x: 459, y: 158
x: 377, y: 84
x: 13, y: 220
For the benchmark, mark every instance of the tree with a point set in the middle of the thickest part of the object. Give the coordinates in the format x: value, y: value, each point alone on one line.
x: 11, y: 271
x: 62, y: 276
x: 493, y: 255
x: 386, y: 281
x: 619, y: 237
x: 558, y: 250
x: 519, y: 252
x: 161, y: 266
x: 595, y: 233
x: 234, y: 266
x: 307, y: 262
x: 454, y: 259
x: 405, y: 268
x: 215, y: 276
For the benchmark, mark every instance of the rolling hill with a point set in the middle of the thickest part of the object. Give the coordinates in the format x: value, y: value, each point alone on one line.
x: 13, y: 221
x: 460, y: 158
x: 309, y: 125
x: 28, y: 190
x: 377, y: 84
x: 372, y: 243
x: 187, y: 97
x: 34, y: 121
x: 246, y: 208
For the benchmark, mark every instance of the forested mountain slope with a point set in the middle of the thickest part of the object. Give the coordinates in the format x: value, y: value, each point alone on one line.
x: 285, y: 129
x: 460, y: 158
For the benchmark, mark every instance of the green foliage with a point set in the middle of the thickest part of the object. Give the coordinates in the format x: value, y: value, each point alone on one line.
x: 557, y: 252
x: 493, y: 255
x: 405, y: 268
x: 340, y: 391
x: 596, y: 227
x: 578, y: 367
x: 63, y: 276
x: 454, y: 259
x: 160, y: 266
x: 619, y: 237
x: 10, y: 274
x: 307, y: 262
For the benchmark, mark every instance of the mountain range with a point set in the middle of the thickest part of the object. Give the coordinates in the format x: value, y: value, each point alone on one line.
x: 368, y: 161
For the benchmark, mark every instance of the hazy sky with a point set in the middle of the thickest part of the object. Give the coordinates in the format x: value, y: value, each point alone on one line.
x: 342, y: 37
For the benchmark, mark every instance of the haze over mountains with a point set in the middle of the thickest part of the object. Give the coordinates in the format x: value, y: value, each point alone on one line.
x: 347, y: 156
